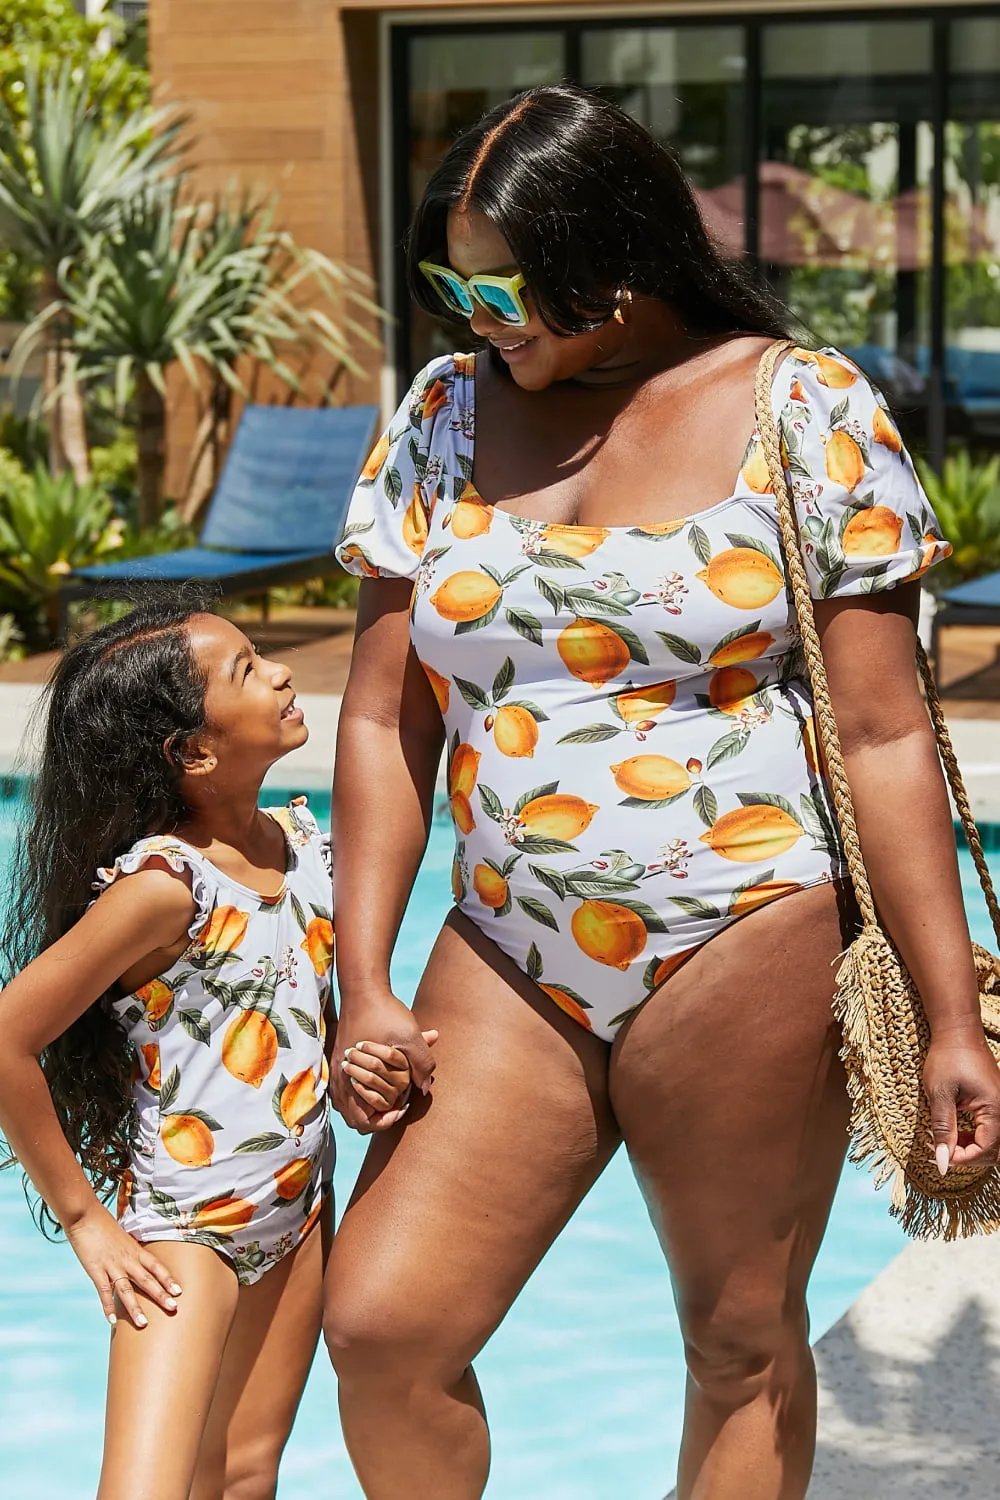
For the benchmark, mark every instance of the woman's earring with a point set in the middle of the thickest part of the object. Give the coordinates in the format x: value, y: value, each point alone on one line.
x: 623, y: 312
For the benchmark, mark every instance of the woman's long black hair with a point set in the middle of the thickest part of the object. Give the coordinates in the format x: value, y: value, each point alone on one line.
x: 590, y: 204
x: 119, y: 703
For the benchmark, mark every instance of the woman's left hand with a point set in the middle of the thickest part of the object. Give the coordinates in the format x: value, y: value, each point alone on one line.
x: 960, y: 1074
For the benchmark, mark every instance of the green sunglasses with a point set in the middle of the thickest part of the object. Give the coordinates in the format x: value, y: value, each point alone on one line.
x: 500, y: 295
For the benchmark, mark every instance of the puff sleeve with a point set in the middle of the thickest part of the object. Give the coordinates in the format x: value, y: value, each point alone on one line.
x: 389, y: 513
x: 865, y: 522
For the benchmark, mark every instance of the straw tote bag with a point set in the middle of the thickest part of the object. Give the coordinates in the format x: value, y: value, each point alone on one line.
x: 886, y: 1032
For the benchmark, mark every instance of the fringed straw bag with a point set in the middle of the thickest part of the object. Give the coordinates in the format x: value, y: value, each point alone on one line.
x: 886, y: 1032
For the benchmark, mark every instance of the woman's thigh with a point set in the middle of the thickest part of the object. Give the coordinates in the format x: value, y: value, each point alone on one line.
x: 731, y: 1099
x: 162, y: 1378
x: 268, y: 1355
x: 451, y: 1214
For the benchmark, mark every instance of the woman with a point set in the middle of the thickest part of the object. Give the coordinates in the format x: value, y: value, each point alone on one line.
x: 583, y: 520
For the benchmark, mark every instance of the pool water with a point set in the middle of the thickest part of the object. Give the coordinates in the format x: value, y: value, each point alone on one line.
x: 584, y: 1382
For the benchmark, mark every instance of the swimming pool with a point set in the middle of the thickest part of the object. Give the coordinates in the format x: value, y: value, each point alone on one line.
x: 584, y: 1382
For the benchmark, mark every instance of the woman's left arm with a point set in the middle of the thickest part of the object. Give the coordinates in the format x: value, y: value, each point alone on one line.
x: 905, y: 827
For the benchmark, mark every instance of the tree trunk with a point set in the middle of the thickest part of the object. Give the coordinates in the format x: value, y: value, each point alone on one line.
x: 211, y: 443
x: 152, y: 423
x: 68, y: 446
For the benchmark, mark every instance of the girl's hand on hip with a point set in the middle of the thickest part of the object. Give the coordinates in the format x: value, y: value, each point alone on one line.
x: 119, y: 1267
x: 960, y: 1074
x: 370, y: 1090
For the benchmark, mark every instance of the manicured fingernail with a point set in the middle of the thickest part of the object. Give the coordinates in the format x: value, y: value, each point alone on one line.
x: 942, y: 1156
x: 171, y: 1304
x: 344, y: 1066
x: 140, y: 1320
x: 112, y: 1319
x: 175, y: 1288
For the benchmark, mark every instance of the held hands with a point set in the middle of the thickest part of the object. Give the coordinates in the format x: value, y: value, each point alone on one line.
x: 960, y: 1074
x: 119, y: 1266
x: 372, y: 1084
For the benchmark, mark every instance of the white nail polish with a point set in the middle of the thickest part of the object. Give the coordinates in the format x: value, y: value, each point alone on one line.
x: 171, y: 1304
x: 112, y: 1319
x: 141, y: 1321
x: 942, y: 1156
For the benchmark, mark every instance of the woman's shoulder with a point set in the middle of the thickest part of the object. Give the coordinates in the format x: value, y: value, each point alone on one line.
x: 439, y: 382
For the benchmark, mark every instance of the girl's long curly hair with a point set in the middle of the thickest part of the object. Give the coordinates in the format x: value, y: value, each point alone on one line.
x: 118, y: 707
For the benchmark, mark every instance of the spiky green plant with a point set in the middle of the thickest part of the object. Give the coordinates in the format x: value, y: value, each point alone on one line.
x: 966, y: 500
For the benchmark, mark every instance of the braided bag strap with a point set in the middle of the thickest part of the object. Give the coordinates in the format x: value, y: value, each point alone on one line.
x: 823, y: 706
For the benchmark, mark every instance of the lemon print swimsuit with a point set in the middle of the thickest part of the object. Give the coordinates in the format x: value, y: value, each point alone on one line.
x: 632, y: 762
x: 233, y: 1147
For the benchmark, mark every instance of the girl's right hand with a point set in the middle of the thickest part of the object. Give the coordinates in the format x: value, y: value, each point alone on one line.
x: 118, y: 1265
x: 390, y: 1023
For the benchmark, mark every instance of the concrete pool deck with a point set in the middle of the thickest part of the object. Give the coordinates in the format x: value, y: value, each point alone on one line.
x: 910, y: 1376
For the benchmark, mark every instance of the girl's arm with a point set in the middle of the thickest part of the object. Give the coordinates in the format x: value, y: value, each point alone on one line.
x: 905, y: 827
x: 135, y: 917
x: 388, y: 750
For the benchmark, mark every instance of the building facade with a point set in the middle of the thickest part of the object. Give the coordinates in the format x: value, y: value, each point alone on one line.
x: 852, y: 151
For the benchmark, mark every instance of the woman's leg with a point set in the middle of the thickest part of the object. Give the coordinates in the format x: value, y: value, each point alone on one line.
x: 731, y: 1099
x: 268, y: 1354
x: 162, y: 1378
x: 451, y: 1215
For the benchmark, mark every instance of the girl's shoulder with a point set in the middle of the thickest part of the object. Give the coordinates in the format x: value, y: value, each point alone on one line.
x: 180, y: 858
x: 301, y: 829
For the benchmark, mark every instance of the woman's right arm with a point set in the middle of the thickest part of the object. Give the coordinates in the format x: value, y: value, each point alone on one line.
x: 389, y: 746
x: 136, y: 916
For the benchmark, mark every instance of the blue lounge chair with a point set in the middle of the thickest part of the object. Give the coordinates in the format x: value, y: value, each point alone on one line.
x: 974, y: 603
x: 277, y: 511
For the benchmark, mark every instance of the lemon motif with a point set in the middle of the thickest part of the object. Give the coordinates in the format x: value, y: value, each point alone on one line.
x: 884, y: 431
x: 730, y: 687
x: 608, y: 933
x: 515, y: 731
x: 745, y: 648
x: 440, y: 687
x: 558, y: 816
x: 761, y: 895
x: 470, y: 518
x: 751, y: 835
x: 490, y: 887
x: 566, y: 1003
x: 575, y: 541
x: 466, y: 596
x: 874, y: 532
x: 756, y: 473
x: 743, y: 578
x: 592, y: 652
x: 645, y: 703
x: 845, y: 462
x: 415, y: 525
x: 652, y: 778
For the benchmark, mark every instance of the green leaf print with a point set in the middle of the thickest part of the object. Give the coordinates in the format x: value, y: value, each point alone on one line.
x: 300, y: 915
x: 163, y: 1204
x: 536, y: 843
x: 755, y: 544
x: 592, y: 886
x: 323, y: 912
x: 508, y: 866
x: 564, y: 989
x: 691, y: 906
x: 537, y: 911
x: 682, y: 649
x: 839, y: 413
x: 550, y: 592
x: 636, y: 649
x: 817, y: 822
x: 503, y: 681
x: 700, y: 544
x: 169, y: 1089
x: 533, y: 709
x: 767, y: 799
x: 591, y: 734
x: 269, y: 1141
x: 279, y: 1089
x: 706, y: 805
x: 651, y: 536
x: 465, y: 464
x: 748, y: 885
x: 133, y: 1014
x: 392, y: 483
x: 195, y: 1025
x: 546, y: 790
x: 533, y: 963
x: 466, y: 627
x: 418, y: 458
x: 220, y: 990
x: 916, y: 531
x: 585, y: 601
x: 727, y: 748
x: 304, y: 1021
x: 873, y: 582
x: 625, y: 1015
x: 553, y: 880
x: 473, y: 695
x: 209, y: 1121
x: 357, y: 528
x: 651, y: 920
x: 492, y: 572
x: 491, y: 804
x: 649, y: 972
x: 653, y: 803
x: 526, y: 625
x: 547, y: 557
x: 797, y: 466
x: 514, y: 573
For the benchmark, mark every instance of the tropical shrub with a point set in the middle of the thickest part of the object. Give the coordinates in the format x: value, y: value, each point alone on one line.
x: 966, y: 499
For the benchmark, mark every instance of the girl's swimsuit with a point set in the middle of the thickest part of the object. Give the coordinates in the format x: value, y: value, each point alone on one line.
x: 632, y: 760
x: 233, y: 1146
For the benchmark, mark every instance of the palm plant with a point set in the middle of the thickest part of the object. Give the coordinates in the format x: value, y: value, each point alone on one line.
x: 66, y: 169
x: 50, y: 525
x: 211, y: 288
x: 966, y: 499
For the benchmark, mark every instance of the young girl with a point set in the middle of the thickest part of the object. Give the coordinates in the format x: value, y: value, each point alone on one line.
x: 169, y: 1038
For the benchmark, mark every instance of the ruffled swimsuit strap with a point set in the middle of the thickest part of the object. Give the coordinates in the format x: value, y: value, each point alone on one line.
x: 179, y: 857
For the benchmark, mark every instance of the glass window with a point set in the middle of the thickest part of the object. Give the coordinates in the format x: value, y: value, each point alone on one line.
x: 844, y: 184
x: 686, y: 85
x: 972, y: 235
x: 454, y: 78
